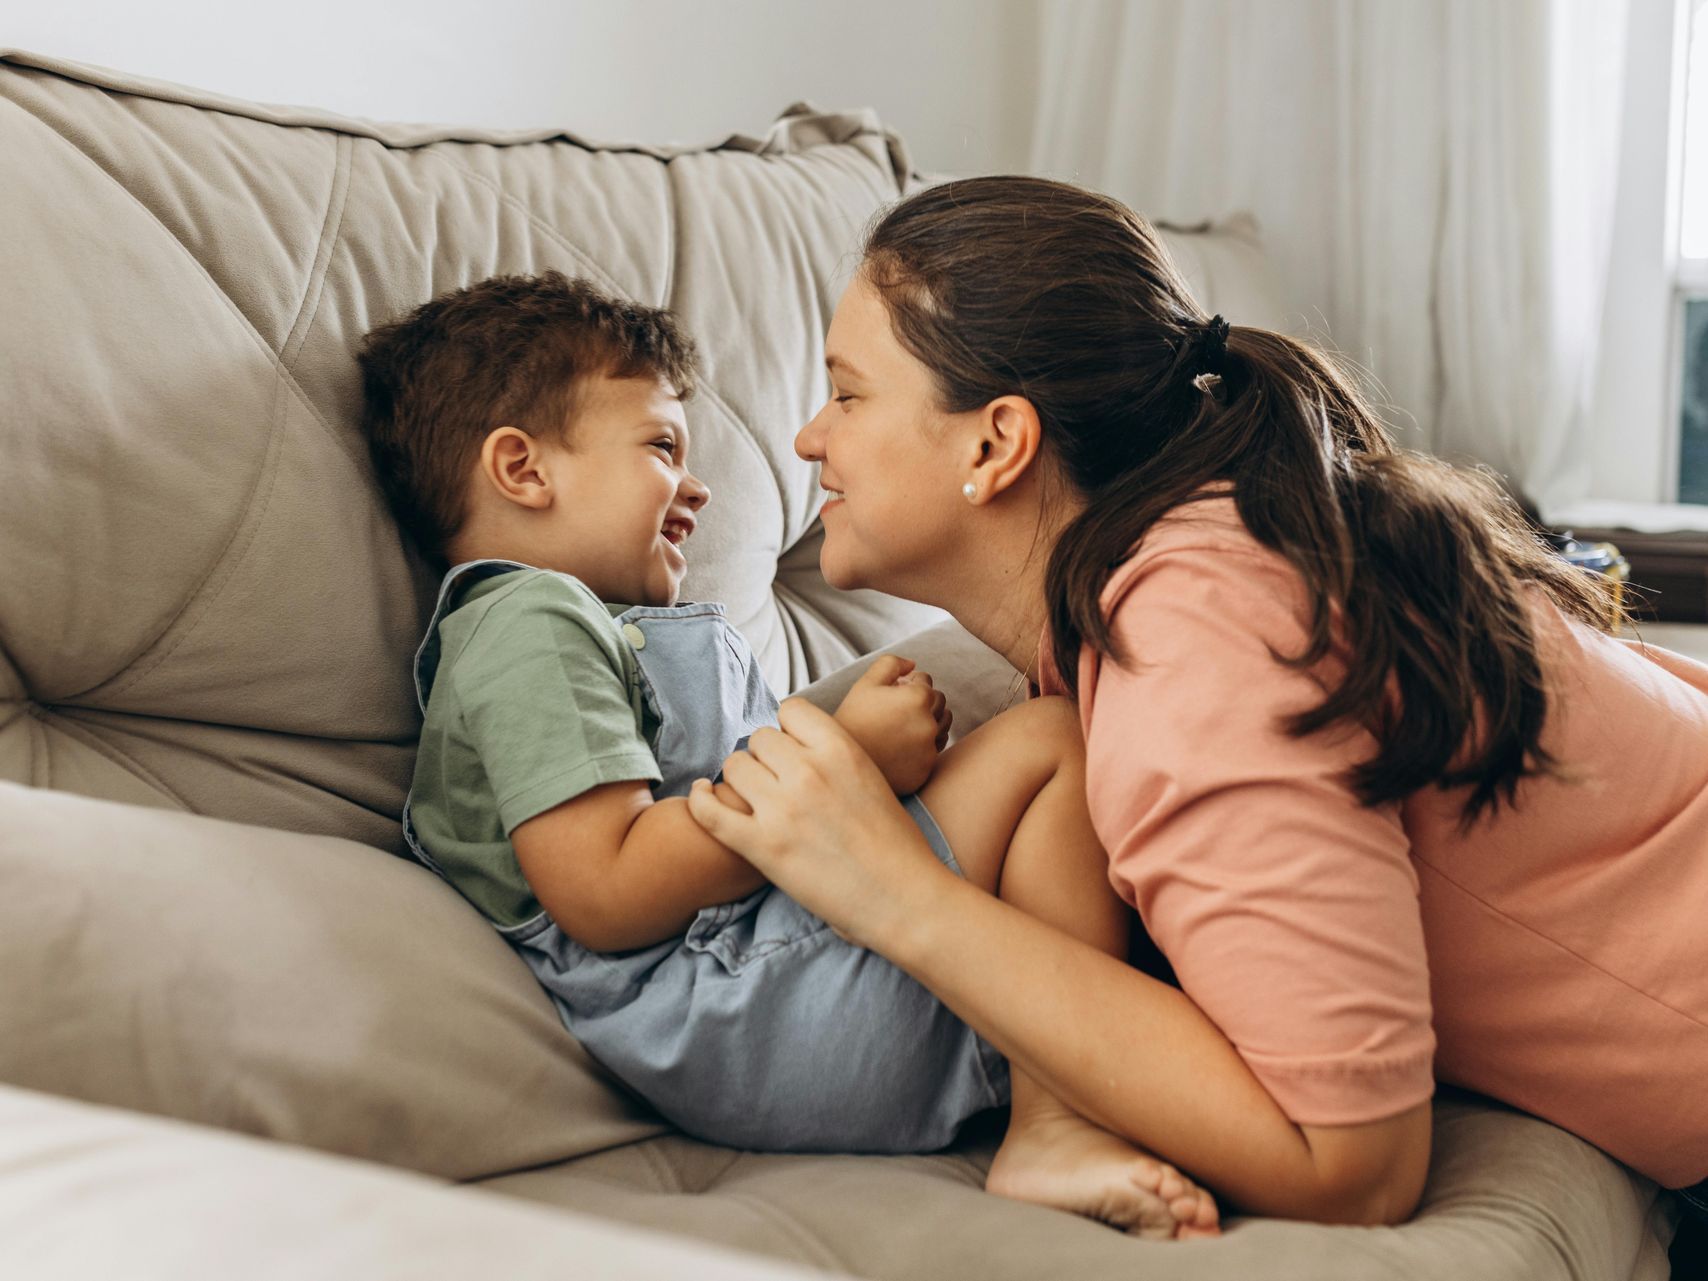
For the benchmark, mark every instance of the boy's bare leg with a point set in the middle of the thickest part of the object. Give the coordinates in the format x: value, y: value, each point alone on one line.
x: 1010, y: 798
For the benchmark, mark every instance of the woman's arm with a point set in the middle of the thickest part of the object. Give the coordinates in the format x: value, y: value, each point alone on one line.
x: 1127, y: 1051
x: 1137, y: 1057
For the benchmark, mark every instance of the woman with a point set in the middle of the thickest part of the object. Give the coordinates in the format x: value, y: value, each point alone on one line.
x: 1368, y: 761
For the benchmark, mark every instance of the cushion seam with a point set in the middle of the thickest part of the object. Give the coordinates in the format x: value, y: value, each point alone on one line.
x: 337, y: 200
x: 207, y: 276
x: 124, y: 672
x: 112, y: 754
x: 811, y: 1243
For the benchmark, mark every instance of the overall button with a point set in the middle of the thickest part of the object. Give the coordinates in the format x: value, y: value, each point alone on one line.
x: 634, y: 635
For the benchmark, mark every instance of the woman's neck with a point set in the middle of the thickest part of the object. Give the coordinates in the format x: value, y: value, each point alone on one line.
x: 994, y: 586
x: 1014, y: 625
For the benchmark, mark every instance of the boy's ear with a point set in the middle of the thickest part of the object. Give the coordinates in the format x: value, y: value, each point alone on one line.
x: 514, y: 464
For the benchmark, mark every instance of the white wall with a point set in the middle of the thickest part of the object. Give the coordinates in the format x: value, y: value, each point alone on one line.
x: 953, y: 77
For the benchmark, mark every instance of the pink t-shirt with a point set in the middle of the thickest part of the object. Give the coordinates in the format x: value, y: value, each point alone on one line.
x: 1562, y: 945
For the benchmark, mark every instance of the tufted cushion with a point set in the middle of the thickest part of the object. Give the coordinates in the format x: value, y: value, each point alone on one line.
x: 306, y: 988
x: 204, y: 604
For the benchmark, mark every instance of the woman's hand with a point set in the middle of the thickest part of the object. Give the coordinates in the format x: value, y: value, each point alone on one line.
x: 825, y: 828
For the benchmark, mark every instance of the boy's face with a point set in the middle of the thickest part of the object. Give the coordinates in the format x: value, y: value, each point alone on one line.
x: 624, y: 498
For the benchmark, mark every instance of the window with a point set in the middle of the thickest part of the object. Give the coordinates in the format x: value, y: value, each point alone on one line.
x: 1690, y: 293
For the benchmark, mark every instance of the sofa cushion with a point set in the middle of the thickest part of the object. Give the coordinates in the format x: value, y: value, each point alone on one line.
x: 204, y: 604
x: 310, y: 990
x: 297, y: 987
x: 307, y: 988
x: 1510, y: 1198
x: 204, y: 601
x: 184, y: 1203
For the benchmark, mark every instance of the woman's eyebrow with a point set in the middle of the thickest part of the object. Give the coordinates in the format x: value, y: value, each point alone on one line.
x: 834, y: 363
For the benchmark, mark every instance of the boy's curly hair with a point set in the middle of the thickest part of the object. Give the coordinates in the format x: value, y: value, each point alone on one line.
x: 506, y: 351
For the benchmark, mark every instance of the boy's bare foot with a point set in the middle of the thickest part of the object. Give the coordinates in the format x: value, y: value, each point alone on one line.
x: 1059, y: 1159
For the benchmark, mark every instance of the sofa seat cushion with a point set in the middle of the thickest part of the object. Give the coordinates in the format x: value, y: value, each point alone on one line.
x: 1509, y: 1197
x: 315, y: 991
x: 308, y: 988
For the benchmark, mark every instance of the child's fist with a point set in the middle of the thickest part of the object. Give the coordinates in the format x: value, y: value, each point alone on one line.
x: 899, y: 720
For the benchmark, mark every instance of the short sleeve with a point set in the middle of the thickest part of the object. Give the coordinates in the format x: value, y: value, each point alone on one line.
x: 1288, y: 909
x: 543, y: 699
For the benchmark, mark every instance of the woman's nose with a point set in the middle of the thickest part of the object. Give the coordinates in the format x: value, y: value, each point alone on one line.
x: 809, y: 441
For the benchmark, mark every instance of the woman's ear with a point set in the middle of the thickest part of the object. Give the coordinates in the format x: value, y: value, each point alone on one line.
x: 1008, y: 439
x: 514, y: 464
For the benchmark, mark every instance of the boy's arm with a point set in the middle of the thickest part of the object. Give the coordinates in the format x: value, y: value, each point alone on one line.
x: 617, y: 870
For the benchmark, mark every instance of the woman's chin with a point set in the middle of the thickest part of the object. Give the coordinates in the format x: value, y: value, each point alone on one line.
x: 840, y: 576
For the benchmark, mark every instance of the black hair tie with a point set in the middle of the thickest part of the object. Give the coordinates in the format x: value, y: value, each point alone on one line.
x: 1206, y: 348
x: 1217, y: 330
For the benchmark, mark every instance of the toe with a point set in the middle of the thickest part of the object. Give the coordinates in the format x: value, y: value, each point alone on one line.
x: 1198, y: 1219
x: 1148, y: 1174
x: 1172, y: 1185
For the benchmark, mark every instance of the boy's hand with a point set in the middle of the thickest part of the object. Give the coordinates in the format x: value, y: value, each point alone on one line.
x: 899, y: 720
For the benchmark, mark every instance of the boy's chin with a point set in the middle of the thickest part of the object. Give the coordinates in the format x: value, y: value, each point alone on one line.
x: 663, y: 595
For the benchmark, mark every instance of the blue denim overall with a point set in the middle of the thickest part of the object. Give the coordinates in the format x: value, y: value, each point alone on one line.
x: 759, y: 1027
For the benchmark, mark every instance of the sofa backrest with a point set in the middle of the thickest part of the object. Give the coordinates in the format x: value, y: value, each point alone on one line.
x: 204, y: 603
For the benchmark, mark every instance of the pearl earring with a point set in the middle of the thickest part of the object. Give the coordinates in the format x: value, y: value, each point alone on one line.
x: 970, y: 490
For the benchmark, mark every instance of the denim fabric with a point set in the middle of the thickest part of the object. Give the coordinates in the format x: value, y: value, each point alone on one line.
x: 759, y: 1027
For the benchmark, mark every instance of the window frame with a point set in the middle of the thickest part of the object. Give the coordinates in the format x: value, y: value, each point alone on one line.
x: 1687, y: 278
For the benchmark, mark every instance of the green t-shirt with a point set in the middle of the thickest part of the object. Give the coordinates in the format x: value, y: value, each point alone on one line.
x: 537, y: 699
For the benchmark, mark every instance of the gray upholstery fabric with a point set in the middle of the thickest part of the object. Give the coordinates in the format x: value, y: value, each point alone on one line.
x: 204, y: 608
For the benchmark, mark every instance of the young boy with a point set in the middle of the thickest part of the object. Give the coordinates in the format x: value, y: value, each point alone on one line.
x: 530, y: 438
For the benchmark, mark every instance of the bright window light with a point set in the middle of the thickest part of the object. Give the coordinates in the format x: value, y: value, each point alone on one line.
x: 1693, y: 230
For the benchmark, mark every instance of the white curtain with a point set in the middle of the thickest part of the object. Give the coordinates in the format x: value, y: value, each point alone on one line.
x: 1434, y: 180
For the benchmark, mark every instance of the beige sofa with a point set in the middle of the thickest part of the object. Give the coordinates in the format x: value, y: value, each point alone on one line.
x: 206, y: 723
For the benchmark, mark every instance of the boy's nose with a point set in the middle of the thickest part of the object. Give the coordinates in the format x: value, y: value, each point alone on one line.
x: 695, y: 493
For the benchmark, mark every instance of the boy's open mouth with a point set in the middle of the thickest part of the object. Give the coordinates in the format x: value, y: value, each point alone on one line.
x: 676, y: 532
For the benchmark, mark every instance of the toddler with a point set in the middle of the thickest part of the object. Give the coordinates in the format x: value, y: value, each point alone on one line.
x: 529, y: 435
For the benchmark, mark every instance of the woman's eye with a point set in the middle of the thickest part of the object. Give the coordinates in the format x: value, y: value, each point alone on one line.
x: 842, y: 400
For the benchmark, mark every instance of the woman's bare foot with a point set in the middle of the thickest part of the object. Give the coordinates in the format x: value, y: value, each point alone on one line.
x: 1059, y: 1159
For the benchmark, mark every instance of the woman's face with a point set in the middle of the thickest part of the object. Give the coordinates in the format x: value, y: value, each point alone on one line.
x: 889, y: 457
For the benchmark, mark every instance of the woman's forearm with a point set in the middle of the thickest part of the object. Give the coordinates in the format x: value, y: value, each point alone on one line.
x: 1134, y: 1055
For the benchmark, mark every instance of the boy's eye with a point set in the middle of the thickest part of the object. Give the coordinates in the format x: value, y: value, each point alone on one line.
x: 668, y: 446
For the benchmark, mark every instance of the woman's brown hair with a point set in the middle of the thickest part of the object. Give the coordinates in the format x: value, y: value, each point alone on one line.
x: 1419, y: 575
